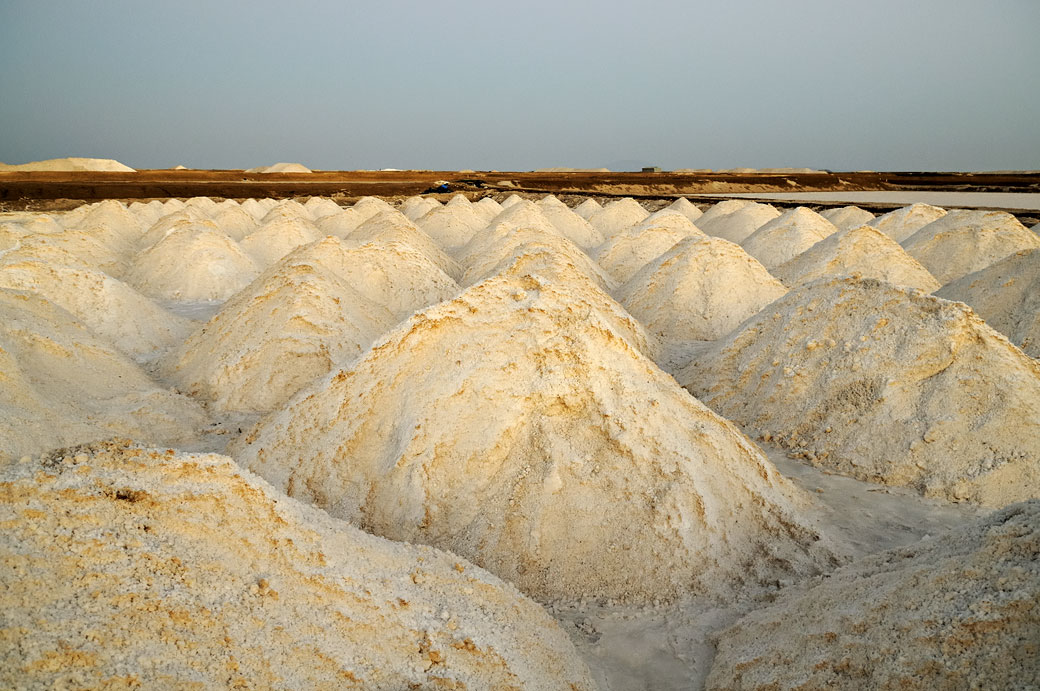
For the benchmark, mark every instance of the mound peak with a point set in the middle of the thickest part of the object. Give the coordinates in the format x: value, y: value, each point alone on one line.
x: 787, y: 236
x: 902, y: 223
x: 740, y: 223
x: 847, y: 217
x: 617, y: 215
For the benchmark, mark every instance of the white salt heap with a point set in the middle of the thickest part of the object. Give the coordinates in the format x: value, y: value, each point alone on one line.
x: 962, y: 242
x: 370, y: 206
x: 280, y: 168
x: 616, y: 216
x: 787, y: 236
x: 488, y: 208
x: 569, y: 224
x: 134, y: 567
x: 699, y: 290
x: 587, y: 208
x: 737, y: 225
x: 509, y: 425
x: 63, y: 385
x: 862, y: 252
x: 184, y: 218
x: 630, y: 250
x: 320, y: 207
x: 341, y: 224
x: 277, y: 238
x: 1007, y: 295
x: 885, y: 385
x: 955, y: 611
x: 69, y: 164
x: 902, y: 223
x: 723, y: 208
x: 511, y: 200
x: 846, y: 217
x: 686, y: 208
x: 236, y: 222
x: 392, y: 226
x: 451, y: 226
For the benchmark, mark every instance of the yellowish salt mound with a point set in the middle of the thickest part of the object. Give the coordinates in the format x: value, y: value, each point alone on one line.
x: 699, y: 290
x: 569, y: 224
x: 175, y: 220
x: 1007, y: 295
x: 416, y: 207
x: 686, y: 208
x: 523, y: 214
x: 11, y: 235
x: 962, y: 242
x: 254, y: 208
x: 70, y: 164
x: 738, y: 225
x: 956, y: 611
x: 235, y: 221
x: 630, y: 250
x: 202, y: 575
x: 617, y: 216
x: 93, y: 248
x: 511, y: 200
x: 670, y: 218
x: 370, y: 206
x: 320, y: 207
x: 114, y: 221
x: 823, y: 369
x: 723, y: 208
x: 294, y: 323
x: 451, y: 226
x: 277, y: 238
x: 392, y: 226
x: 510, y: 450
x: 190, y: 264
x: 861, y: 252
x: 146, y: 214
x: 787, y: 236
x: 902, y: 223
x: 281, y: 168
x: 203, y: 204
x: 172, y: 205
x: 587, y: 208
x: 488, y: 208
x: 847, y: 217
x: 42, y: 224
x: 286, y: 210
x: 60, y: 385
x: 113, y: 310
x: 341, y: 224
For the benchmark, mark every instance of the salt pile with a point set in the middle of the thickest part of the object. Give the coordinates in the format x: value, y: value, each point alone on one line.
x: 847, y: 217
x: 192, y: 264
x: 200, y: 574
x: 370, y: 206
x: 203, y: 204
x: 236, y: 222
x: 956, y: 611
x: 277, y: 238
x: 737, y: 225
x: 256, y: 207
x: 63, y: 385
x: 320, y: 207
x: 416, y: 207
x: 70, y: 164
x: 451, y: 226
x: 341, y: 224
x: 78, y: 248
x: 587, y: 208
x: 699, y: 290
x: 501, y: 424
x: 488, y: 208
x: 884, y: 385
x: 511, y: 200
x: 902, y: 223
x: 686, y: 208
x: 630, y: 250
x: 962, y: 242
x: 1007, y: 295
x: 723, y: 208
x: 281, y: 168
x: 617, y: 216
x: 185, y: 218
x: 569, y: 224
x: 392, y: 226
x: 787, y: 236
x: 863, y: 252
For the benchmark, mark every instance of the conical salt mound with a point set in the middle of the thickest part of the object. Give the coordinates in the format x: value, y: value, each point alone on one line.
x: 885, y: 385
x: 527, y: 448
x: 41, y: 224
x: 686, y: 208
x: 371, y: 206
x: 293, y: 324
x: 202, y: 575
x: 277, y: 238
x: 110, y: 308
x: 235, y: 222
x: 953, y: 612
x: 616, y: 216
x: 173, y: 221
x: 114, y: 216
x: 192, y: 264
x: 571, y: 225
x: 862, y: 252
x: 846, y: 217
x: 416, y: 207
x: 488, y: 208
x: 587, y: 208
x: 320, y: 207
x: 203, y: 204
x: 392, y: 226
x: 630, y: 250
x: 510, y: 200
x: 723, y: 208
x: 902, y: 223
x: 341, y: 224
x: 737, y: 226
x: 286, y: 210
x: 1007, y: 295
x: 699, y: 290
x: 146, y: 214
x: 962, y: 242
x: 73, y: 248
x: 254, y: 208
x: 60, y: 385
x: 787, y: 236
x: 451, y: 226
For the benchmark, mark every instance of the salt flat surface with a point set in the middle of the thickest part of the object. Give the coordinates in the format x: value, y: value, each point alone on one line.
x: 994, y: 200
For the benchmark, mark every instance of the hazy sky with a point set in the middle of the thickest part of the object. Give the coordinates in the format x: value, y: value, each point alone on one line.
x: 879, y: 84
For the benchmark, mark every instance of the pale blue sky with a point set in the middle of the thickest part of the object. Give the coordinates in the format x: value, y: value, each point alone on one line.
x: 880, y: 84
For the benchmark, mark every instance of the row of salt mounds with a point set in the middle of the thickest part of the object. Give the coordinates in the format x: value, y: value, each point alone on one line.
x: 956, y: 611
x: 787, y: 236
x: 70, y: 164
x: 518, y: 229
x: 847, y: 217
x: 451, y: 226
x: 616, y: 216
x: 390, y: 225
x: 962, y: 242
x: 510, y: 426
x: 569, y: 224
x: 319, y: 307
x: 861, y: 252
x: 628, y: 251
x: 110, y: 308
x: 416, y: 207
x: 699, y: 290
x: 63, y: 385
x: 902, y: 223
x: 827, y: 367
x: 1007, y: 295
x: 736, y: 219
x: 201, y: 574
x: 280, y: 168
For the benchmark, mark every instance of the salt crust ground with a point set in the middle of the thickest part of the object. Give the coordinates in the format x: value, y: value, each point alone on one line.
x: 128, y: 567
x: 961, y: 610
x: 827, y: 366
x: 511, y: 448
